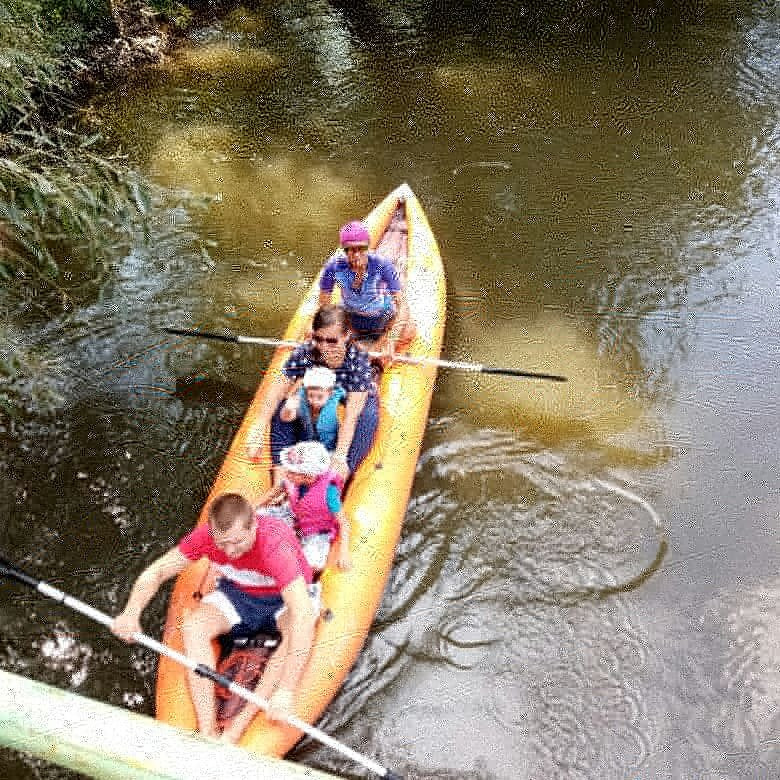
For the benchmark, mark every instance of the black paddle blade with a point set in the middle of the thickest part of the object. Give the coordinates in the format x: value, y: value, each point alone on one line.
x: 7, y: 569
x: 518, y: 372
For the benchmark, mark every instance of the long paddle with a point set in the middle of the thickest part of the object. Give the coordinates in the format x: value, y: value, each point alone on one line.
x: 7, y: 569
x: 477, y: 368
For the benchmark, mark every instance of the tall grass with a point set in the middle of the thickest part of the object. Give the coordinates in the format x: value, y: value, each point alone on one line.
x: 65, y: 209
x: 62, y: 207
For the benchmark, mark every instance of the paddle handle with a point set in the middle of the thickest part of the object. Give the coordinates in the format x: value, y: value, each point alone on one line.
x: 518, y: 372
x: 9, y: 570
x: 475, y: 368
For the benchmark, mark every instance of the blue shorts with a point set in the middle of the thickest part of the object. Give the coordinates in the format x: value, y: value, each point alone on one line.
x: 371, y: 327
x: 248, y: 615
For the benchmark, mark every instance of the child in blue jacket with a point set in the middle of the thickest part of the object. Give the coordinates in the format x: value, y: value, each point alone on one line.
x: 315, y: 406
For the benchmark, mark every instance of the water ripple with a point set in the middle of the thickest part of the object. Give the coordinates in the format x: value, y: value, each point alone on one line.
x: 508, y: 596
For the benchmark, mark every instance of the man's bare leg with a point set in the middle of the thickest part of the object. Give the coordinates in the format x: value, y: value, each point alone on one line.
x: 198, y: 629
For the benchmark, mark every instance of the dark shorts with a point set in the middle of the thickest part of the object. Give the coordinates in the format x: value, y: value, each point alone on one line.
x: 248, y: 615
x: 285, y: 434
x: 371, y: 328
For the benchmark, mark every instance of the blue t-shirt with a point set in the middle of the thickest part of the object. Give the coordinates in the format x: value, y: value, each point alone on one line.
x: 354, y: 375
x: 374, y: 294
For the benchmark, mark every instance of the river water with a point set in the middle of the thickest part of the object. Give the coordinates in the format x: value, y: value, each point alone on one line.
x: 586, y: 585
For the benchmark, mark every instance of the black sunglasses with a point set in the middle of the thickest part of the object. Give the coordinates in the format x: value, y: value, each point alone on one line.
x: 324, y: 339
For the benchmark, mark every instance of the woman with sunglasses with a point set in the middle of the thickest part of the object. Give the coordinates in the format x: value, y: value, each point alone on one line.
x: 371, y: 292
x: 331, y: 346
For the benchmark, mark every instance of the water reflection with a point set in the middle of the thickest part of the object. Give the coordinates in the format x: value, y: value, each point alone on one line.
x: 729, y: 664
x: 265, y: 204
x: 631, y: 134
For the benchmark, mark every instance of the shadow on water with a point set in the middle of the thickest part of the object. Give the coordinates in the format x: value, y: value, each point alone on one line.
x: 201, y: 389
x: 376, y: 23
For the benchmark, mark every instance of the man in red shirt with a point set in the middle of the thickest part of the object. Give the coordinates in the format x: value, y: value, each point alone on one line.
x: 263, y: 579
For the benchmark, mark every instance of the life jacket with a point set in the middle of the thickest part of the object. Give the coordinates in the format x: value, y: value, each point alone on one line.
x: 326, y: 430
x: 312, y: 515
x: 244, y: 666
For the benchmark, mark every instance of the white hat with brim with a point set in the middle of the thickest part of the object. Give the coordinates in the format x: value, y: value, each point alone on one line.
x: 309, y: 458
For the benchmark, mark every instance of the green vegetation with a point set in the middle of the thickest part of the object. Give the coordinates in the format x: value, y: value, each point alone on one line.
x: 65, y: 209
x: 174, y: 12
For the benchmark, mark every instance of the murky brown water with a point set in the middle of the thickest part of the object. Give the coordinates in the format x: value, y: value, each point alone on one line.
x: 606, y: 204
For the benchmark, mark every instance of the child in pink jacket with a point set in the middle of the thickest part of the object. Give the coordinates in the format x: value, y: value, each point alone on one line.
x: 314, y: 494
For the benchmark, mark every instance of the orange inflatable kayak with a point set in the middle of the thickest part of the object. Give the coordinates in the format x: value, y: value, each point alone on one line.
x: 399, y: 231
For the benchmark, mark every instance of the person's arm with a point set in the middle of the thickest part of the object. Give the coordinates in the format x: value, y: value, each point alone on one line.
x: 343, y: 558
x: 301, y: 635
x: 399, y: 335
x: 395, y: 337
x: 333, y: 501
x: 272, y: 495
x: 327, y: 282
x: 127, y: 622
x: 402, y: 320
x: 291, y: 407
x: 352, y: 410
x: 280, y: 388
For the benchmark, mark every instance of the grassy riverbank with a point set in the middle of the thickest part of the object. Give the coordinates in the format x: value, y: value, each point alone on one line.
x: 67, y: 207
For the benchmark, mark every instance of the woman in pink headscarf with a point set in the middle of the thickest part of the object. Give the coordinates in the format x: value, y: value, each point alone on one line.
x: 371, y: 291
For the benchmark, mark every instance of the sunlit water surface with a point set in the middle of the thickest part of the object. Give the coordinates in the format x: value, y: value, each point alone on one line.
x: 586, y: 585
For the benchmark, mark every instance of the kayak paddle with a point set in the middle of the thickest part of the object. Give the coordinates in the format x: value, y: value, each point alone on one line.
x: 423, y: 361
